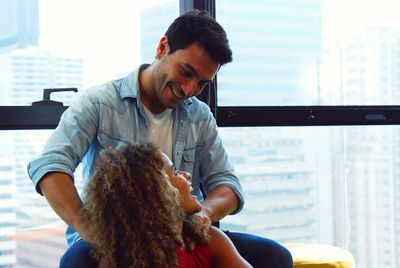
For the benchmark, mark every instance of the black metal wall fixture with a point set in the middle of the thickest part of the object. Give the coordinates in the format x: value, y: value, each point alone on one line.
x: 43, y: 114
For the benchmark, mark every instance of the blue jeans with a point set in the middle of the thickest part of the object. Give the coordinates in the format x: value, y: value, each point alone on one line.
x: 78, y: 255
x: 261, y: 252
x: 258, y: 251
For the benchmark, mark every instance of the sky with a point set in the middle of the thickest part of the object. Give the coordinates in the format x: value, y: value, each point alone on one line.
x: 340, y: 17
x: 106, y: 34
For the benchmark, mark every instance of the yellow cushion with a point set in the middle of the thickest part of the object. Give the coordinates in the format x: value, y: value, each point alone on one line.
x: 319, y: 255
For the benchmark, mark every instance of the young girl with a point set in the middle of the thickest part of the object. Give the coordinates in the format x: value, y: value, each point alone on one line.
x: 140, y: 213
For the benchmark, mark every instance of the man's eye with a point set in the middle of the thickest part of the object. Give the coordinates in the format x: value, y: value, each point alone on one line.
x: 186, y: 73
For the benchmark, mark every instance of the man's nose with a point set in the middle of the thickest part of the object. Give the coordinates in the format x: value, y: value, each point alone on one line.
x: 189, y: 87
x: 185, y: 174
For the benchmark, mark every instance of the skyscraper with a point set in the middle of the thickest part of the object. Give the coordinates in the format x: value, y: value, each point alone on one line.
x: 276, y: 52
x: 365, y: 69
x: 30, y: 70
x: 25, y: 70
x: 19, y: 24
x: 8, y: 217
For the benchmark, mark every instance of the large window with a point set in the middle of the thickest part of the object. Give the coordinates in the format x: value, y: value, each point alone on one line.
x: 336, y: 185
x: 59, y: 44
x: 310, y: 52
x: 328, y: 184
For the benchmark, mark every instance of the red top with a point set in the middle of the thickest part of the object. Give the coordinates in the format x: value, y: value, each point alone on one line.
x: 199, y: 257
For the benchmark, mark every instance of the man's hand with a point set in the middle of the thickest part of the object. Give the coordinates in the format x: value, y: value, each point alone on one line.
x: 205, y: 219
x: 220, y: 202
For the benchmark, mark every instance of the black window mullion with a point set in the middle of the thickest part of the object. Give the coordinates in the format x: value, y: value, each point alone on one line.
x: 47, y: 117
x: 207, y: 5
x: 209, y: 94
x: 253, y: 116
x: 30, y: 117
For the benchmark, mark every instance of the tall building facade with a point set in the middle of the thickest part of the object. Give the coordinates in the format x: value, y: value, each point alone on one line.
x: 8, y: 215
x: 276, y: 52
x: 30, y: 70
x: 19, y: 24
x: 284, y: 179
x: 27, y: 71
x: 364, y: 69
x: 26, y: 219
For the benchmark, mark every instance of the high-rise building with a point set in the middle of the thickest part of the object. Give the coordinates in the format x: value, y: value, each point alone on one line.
x: 276, y: 52
x: 25, y: 72
x: 364, y: 69
x: 19, y: 24
x: 283, y: 182
x: 8, y: 216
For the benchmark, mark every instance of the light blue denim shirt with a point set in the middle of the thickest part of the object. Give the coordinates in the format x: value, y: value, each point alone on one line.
x: 112, y: 115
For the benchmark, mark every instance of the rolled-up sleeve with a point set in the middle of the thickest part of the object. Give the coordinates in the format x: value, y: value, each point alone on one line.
x: 215, y: 167
x: 69, y: 142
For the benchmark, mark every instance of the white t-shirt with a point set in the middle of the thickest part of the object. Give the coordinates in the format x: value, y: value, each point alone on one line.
x: 160, y: 130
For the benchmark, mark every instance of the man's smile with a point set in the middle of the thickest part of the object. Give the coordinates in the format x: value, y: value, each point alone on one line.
x: 176, y: 92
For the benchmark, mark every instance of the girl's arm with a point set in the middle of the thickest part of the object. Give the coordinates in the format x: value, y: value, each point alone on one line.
x: 223, y: 252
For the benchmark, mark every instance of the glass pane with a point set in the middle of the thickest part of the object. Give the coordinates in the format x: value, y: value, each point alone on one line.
x: 81, y: 44
x: 29, y: 228
x: 310, y: 52
x: 332, y: 185
x: 63, y: 44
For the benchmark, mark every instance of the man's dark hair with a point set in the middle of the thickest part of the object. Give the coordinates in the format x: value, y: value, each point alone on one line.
x: 198, y: 26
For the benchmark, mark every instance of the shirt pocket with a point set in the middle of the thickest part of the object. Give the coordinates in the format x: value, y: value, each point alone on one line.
x: 106, y: 141
x: 188, y: 160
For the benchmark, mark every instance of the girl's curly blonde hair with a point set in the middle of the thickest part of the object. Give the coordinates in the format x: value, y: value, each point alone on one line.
x: 133, y: 212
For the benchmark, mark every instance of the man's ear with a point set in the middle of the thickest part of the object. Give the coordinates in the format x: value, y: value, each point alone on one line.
x: 162, y: 48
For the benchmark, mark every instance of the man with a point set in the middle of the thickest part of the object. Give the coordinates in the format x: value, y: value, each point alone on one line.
x: 155, y: 103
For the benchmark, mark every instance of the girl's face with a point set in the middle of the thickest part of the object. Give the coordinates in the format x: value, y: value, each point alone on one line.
x: 180, y: 180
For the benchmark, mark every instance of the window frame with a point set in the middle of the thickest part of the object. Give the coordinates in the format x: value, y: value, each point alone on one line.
x: 263, y: 116
x: 47, y: 116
